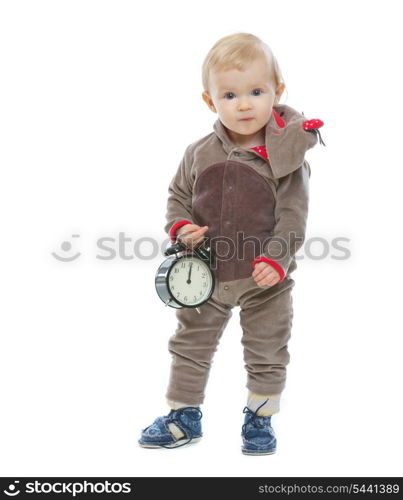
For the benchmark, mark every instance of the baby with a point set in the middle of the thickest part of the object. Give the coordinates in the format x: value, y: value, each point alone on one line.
x: 243, y: 189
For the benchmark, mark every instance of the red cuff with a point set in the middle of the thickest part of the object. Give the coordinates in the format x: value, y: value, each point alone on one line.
x: 175, y: 227
x: 276, y: 266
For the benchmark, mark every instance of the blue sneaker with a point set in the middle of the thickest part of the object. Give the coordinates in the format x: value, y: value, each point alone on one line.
x: 158, y: 435
x: 257, y: 434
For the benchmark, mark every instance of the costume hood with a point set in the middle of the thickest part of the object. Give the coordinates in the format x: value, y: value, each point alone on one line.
x: 288, y: 135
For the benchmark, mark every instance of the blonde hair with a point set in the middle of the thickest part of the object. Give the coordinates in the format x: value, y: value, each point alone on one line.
x: 236, y: 51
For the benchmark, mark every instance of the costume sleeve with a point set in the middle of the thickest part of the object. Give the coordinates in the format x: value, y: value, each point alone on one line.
x: 291, y: 213
x: 179, y: 205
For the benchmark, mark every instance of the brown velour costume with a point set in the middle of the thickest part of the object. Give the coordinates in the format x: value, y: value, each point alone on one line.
x: 256, y: 210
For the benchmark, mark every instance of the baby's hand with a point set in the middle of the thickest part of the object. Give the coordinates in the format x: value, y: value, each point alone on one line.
x: 265, y: 274
x: 191, y: 234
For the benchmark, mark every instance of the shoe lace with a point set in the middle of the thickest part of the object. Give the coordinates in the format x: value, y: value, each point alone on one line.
x: 174, y: 417
x: 253, y: 418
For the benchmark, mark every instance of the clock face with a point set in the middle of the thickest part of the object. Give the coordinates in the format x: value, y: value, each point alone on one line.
x: 190, y: 281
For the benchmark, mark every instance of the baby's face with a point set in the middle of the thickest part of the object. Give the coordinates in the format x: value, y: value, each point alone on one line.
x: 243, y: 99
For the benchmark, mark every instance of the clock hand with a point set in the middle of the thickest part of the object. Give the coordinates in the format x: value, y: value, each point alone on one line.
x: 190, y: 272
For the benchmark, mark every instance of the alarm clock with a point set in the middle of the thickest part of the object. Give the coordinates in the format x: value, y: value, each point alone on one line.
x: 185, y: 278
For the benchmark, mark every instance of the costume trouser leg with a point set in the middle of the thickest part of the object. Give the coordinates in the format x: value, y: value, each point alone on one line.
x: 192, y: 348
x: 266, y: 326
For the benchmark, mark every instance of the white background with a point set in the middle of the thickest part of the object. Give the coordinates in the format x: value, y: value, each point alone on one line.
x: 99, y: 100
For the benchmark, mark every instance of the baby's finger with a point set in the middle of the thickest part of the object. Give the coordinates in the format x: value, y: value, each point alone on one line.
x: 258, y: 277
x: 268, y: 279
x: 257, y: 269
x: 272, y: 281
x: 187, y: 228
x: 259, y: 280
x: 201, y: 230
x: 260, y: 273
x: 198, y: 234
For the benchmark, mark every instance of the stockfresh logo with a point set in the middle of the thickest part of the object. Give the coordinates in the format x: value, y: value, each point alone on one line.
x: 68, y: 488
x: 12, y: 489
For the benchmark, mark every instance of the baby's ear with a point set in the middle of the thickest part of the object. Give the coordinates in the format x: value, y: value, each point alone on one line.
x: 207, y: 99
x: 279, y: 92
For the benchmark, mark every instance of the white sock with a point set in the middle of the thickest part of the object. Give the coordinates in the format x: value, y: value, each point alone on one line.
x: 271, y: 406
x: 175, y: 405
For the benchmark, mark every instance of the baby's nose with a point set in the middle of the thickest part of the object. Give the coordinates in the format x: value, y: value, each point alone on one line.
x: 244, y: 103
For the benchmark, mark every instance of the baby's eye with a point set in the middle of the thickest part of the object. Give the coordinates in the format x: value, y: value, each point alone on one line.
x: 259, y: 91
x: 229, y: 95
